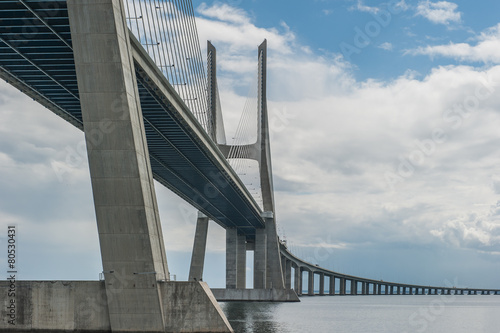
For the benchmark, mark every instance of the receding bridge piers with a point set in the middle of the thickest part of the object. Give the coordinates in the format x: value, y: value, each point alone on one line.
x: 344, y: 285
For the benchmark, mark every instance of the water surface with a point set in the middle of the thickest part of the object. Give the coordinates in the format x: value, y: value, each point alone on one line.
x: 369, y: 314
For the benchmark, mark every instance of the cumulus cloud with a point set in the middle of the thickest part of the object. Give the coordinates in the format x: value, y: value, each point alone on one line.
x: 386, y: 46
x: 484, y: 50
x: 394, y: 6
x: 364, y: 8
x: 239, y: 31
x: 441, y: 12
x: 472, y: 230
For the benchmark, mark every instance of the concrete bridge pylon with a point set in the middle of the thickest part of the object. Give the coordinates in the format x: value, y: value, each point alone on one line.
x: 268, y: 274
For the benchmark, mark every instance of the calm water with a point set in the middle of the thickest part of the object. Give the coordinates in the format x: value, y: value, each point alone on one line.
x: 369, y: 314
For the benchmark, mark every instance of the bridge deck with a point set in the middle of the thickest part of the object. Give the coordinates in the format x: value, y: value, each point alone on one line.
x: 36, y: 56
x: 315, y: 269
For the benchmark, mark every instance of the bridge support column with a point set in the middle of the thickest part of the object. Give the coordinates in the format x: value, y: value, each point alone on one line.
x: 231, y: 254
x: 259, y: 259
x: 132, y: 250
x: 321, y: 284
x: 288, y: 274
x: 363, y: 288
x: 283, y: 268
x: 354, y: 287
x: 297, y: 280
x: 241, y: 262
x: 274, y: 275
x: 131, y: 241
x: 332, y: 285
x: 310, y: 284
x: 342, y: 286
x: 199, y: 248
x: 386, y: 287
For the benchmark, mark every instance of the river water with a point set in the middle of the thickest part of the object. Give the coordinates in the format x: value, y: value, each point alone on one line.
x: 369, y: 314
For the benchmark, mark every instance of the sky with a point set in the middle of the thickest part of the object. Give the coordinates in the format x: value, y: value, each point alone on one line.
x: 384, y: 135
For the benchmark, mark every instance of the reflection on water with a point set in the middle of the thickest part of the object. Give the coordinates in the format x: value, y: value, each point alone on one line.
x: 373, y: 314
x: 253, y: 317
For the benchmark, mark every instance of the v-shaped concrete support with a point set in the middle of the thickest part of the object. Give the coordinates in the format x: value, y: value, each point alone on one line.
x: 130, y: 235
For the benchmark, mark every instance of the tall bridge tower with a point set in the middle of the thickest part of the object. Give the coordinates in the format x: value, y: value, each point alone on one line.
x: 268, y: 274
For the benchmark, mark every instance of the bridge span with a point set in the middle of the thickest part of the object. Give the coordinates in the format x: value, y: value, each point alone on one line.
x: 344, y: 284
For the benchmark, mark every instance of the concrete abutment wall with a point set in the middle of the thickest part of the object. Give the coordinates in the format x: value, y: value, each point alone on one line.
x: 81, y: 306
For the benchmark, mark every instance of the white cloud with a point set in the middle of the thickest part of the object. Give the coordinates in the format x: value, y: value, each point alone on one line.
x: 363, y: 8
x: 225, y: 13
x: 393, y: 6
x: 239, y: 32
x: 485, y: 50
x: 441, y: 12
x: 386, y: 46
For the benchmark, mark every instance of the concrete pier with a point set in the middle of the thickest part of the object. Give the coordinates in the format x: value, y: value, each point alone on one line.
x: 342, y: 286
x: 288, y: 274
x: 259, y: 259
x: 199, y: 248
x: 241, y: 262
x: 130, y: 236
x: 310, y: 283
x: 297, y: 283
x: 332, y: 285
x: 130, y: 233
x: 231, y: 254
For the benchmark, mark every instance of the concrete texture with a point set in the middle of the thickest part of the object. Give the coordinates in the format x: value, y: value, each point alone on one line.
x: 199, y: 248
x: 231, y: 254
x: 310, y: 283
x: 274, y: 274
x: 241, y: 262
x: 256, y: 295
x: 297, y: 283
x: 259, y: 259
x: 130, y: 236
x: 332, y: 285
x: 81, y: 306
x: 122, y: 182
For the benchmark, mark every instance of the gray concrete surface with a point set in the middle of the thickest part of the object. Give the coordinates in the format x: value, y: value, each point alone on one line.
x: 256, y: 295
x: 81, y: 306
x: 199, y: 249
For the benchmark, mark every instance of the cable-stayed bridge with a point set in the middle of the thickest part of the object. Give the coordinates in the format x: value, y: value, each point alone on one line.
x: 130, y: 74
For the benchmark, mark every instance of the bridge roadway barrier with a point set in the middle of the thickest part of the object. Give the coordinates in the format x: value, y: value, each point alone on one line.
x: 82, y: 306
